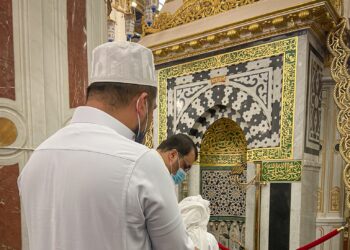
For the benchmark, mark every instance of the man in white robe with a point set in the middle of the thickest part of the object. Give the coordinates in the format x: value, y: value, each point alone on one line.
x: 91, y: 186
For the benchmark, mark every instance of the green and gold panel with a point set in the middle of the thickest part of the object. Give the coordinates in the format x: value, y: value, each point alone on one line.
x: 251, y: 76
x: 281, y: 171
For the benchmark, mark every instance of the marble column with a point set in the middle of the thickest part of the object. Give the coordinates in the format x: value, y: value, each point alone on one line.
x: 194, y: 181
x: 77, y: 52
x: 10, y: 219
x: 330, y: 199
x: 7, y: 68
x: 37, y: 100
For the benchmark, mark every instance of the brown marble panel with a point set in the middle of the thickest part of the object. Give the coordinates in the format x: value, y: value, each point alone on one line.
x: 77, y: 52
x: 10, y: 212
x: 7, y: 68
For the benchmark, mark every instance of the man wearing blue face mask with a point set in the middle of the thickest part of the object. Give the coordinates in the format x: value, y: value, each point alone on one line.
x: 178, y: 153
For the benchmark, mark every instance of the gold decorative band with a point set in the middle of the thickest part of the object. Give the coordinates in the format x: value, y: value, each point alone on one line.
x: 281, y: 171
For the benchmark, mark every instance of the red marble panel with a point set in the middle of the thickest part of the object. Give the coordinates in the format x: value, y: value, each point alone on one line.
x: 77, y: 52
x: 10, y: 212
x: 7, y: 68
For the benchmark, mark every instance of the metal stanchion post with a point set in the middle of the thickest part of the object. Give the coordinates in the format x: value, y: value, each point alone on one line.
x: 257, y: 205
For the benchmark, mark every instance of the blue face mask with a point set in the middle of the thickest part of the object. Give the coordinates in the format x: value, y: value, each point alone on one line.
x: 179, y: 176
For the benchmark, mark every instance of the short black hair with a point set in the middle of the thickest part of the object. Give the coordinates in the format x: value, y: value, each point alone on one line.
x: 118, y: 94
x: 181, y: 142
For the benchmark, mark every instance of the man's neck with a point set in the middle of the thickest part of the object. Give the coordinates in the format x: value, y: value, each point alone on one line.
x: 124, y: 115
x: 163, y: 155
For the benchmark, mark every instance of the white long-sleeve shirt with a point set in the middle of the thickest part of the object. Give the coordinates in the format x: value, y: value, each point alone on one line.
x: 90, y: 187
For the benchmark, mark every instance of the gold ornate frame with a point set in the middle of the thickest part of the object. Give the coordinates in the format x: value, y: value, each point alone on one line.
x: 287, y: 48
x: 339, y: 70
x: 224, y: 144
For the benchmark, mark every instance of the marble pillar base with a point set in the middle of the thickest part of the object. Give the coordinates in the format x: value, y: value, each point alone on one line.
x: 304, y: 207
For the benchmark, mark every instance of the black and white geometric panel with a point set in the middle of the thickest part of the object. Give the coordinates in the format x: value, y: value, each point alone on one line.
x: 225, y: 196
x: 248, y: 93
x: 314, y: 101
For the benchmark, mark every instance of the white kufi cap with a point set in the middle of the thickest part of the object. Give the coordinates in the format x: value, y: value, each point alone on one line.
x: 123, y: 62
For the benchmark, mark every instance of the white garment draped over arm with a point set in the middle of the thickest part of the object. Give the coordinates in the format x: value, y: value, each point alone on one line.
x: 195, y: 213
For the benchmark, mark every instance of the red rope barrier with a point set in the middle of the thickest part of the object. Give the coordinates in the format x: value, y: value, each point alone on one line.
x: 322, y: 239
x: 222, y: 247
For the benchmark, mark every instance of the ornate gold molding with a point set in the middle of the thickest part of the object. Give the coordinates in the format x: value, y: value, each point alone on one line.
x: 319, y: 200
x: 316, y: 15
x: 335, y: 199
x: 339, y: 71
x: 223, y: 144
x: 281, y: 171
x: 193, y: 10
x: 234, y: 160
x: 224, y: 136
x: 285, y: 47
x: 149, y: 136
x: 338, y: 5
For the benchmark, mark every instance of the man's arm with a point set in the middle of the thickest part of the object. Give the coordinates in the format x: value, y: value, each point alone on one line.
x: 157, y: 199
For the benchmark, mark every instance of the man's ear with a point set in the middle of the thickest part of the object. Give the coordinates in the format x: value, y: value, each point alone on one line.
x: 172, y: 154
x: 141, y: 100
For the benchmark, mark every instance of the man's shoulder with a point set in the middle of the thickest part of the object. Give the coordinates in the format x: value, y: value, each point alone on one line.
x: 150, y: 160
x: 94, y: 139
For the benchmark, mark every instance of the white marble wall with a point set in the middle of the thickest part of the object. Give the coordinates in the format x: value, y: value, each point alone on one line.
x: 250, y: 208
x: 295, y: 216
x: 346, y: 12
x: 304, y: 193
x: 119, y: 28
x: 265, y: 217
x: 304, y: 206
x: 325, y: 226
x: 250, y: 212
x: 317, y: 202
x: 308, y: 208
x: 330, y: 188
x: 300, y: 101
x: 194, y: 181
x: 41, y: 73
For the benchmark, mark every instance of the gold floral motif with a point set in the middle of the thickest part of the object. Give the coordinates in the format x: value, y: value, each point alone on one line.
x: 335, y: 199
x: 232, y: 34
x: 281, y: 171
x: 286, y: 47
x: 304, y: 14
x: 176, y: 48
x: 149, y: 136
x: 319, y: 200
x: 254, y: 27
x: 278, y: 21
x: 339, y: 71
x: 193, y: 10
